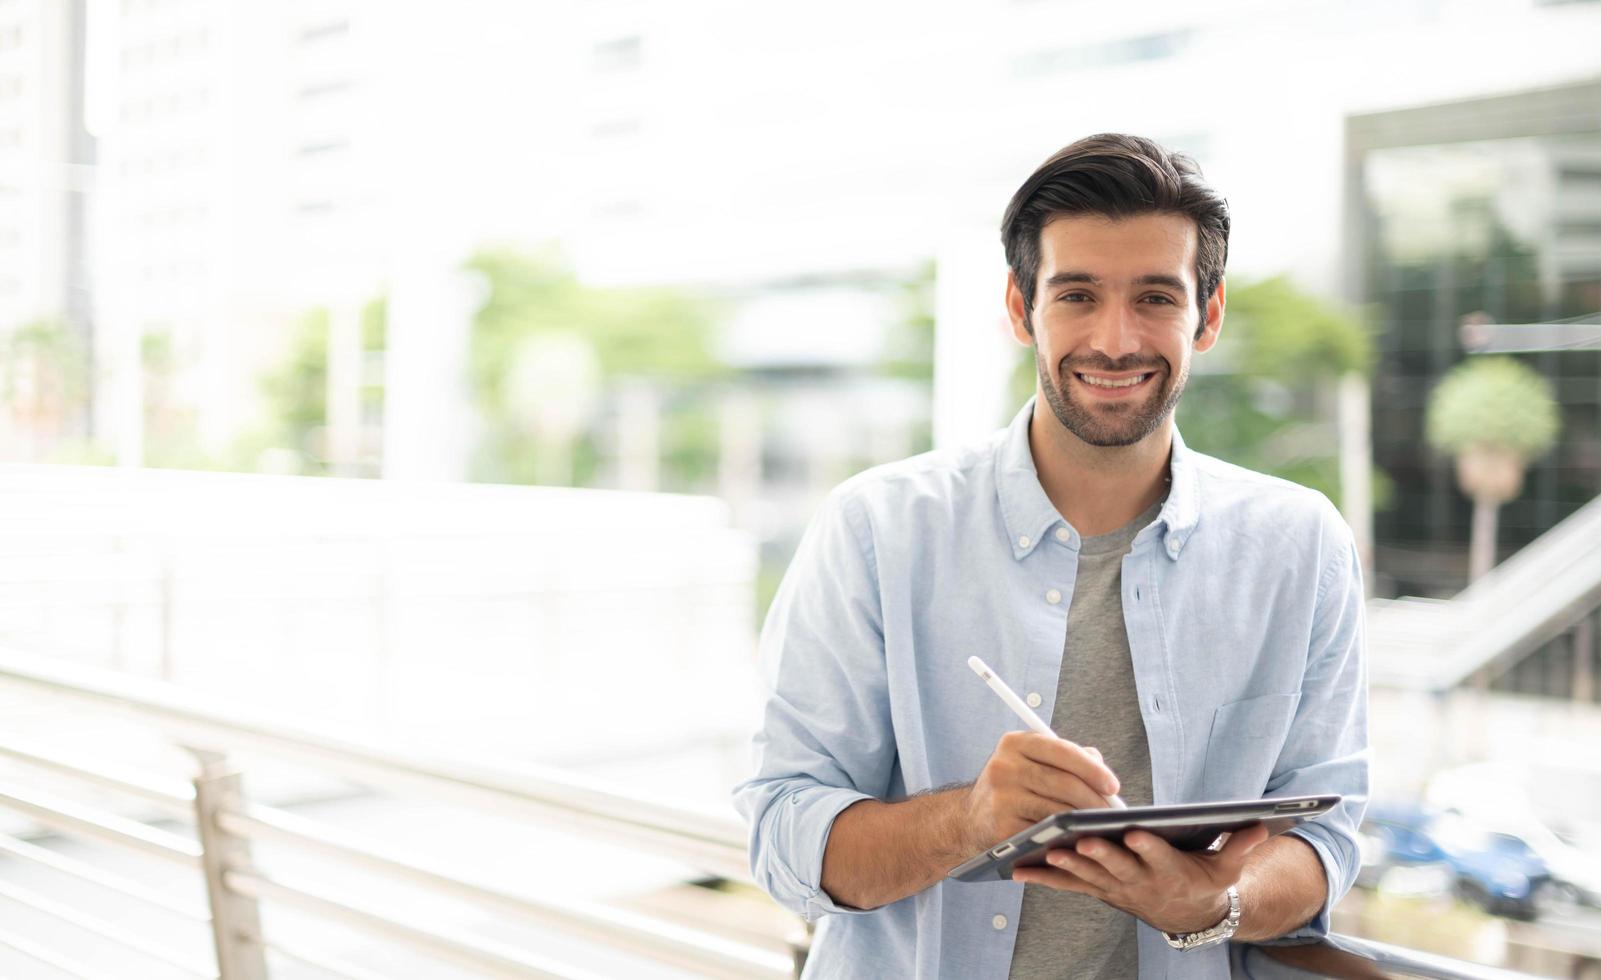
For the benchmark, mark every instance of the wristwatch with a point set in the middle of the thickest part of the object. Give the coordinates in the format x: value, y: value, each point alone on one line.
x: 1215, y: 934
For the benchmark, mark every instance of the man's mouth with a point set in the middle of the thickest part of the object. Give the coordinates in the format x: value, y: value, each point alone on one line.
x: 1112, y: 383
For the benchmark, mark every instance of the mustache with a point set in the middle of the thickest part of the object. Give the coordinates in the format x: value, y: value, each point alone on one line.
x: 1103, y: 363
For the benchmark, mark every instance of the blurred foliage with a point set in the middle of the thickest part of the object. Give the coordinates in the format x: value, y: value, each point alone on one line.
x: 1497, y: 402
x: 293, y: 435
x: 1269, y: 405
x: 44, y: 377
x: 660, y: 335
x: 171, y: 429
x: 909, y: 342
x: 691, y: 442
x: 296, y: 396
x: 1273, y: 407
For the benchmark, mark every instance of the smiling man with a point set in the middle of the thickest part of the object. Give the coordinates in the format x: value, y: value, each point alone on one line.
x: 1191, y: 630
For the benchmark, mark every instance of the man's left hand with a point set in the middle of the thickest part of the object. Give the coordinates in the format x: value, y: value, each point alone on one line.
x: 1171, y: 890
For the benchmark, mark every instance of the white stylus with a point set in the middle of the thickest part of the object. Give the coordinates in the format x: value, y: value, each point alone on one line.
x: 1023, y: 711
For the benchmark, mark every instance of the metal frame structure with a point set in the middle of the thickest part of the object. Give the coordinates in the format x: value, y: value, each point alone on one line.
x: 227, y: 824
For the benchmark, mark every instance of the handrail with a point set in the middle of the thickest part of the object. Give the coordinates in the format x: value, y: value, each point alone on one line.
x: 104, y: 929
x: 674, y: 831
x: 1549, y: 583
x: 491, y: 959
x: 86, y: 821
x: 711, y: 841
x: 660, y: 940
x: 86, y: 872
x: 176, y: 800
x: 39, y: 953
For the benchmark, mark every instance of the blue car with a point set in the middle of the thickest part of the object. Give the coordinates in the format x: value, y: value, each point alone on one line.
x: 1491, y: 873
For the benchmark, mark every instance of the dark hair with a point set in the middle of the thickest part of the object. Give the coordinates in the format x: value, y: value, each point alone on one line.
x: 1118, y: 176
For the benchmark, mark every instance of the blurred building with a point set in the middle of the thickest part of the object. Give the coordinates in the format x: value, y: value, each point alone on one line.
x: 1492, y: 206
x: 264, y: 160
x: 234, y: 198
x: 46, y: 156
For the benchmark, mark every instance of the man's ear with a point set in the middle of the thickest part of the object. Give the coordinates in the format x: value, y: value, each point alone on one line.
x: 1019, y: 316
x: 1213, y: 324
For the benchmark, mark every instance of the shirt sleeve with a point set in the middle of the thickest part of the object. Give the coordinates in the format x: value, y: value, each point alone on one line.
x: 1326, y: 750
x: 825, y: 740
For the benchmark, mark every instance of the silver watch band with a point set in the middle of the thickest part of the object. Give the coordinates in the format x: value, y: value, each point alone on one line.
x: 1214, y: 934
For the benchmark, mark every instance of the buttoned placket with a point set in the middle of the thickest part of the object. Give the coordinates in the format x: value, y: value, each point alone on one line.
x: 1058, y: 551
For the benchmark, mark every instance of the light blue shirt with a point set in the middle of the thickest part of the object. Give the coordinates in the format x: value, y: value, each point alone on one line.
x: 1244, y: 607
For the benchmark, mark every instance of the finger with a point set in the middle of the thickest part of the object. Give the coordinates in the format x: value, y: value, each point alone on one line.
x: 1119, y: 862
x: 1066, y: 788
x: 1026, y: 809
x: 1056, y: 878
x: 1155, y: 853
x: 1070, y: 757
x: 1241, y: 843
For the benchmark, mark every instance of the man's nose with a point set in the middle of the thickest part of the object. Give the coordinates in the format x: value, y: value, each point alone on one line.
x: 1115, y: 332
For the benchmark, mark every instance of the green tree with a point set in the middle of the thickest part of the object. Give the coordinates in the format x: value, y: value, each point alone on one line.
x: 295, y: 393
x: 1493, y: 414
x: 1270, y: 407
x: 44, y: 376
x: 909, y: 342
x: 660, y: 334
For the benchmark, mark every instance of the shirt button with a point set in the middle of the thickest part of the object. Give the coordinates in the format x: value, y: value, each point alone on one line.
x: 1034, y: 699
x: 1053, y: 597
x: 999, y: 922
x: 1062, y: 535
x: 1023, y: 541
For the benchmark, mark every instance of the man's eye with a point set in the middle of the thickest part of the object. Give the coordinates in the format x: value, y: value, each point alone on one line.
x: 1075, y: 297
x: 1159, y: 298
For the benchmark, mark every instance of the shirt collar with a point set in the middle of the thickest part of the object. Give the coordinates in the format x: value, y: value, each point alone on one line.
x: 1029, y: 514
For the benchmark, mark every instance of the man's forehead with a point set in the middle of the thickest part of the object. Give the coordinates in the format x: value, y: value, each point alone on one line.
x: 1119, y: 248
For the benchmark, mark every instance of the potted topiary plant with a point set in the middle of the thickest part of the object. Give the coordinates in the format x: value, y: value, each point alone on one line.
x: 1494, y: 415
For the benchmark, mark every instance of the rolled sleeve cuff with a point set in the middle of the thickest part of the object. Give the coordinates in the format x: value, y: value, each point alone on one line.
x: 817, y: 809
x: 1333, y: 875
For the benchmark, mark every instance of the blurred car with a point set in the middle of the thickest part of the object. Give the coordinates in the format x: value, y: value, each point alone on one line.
x: 1575, y: 875
x: 1490, y: 870
x: 1508, y: 814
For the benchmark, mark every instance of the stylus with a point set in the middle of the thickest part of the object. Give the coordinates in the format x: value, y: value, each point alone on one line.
x: 1023, y: 711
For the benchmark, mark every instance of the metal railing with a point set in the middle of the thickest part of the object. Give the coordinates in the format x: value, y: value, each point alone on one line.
x: 1533, y: 596
x: 226, y: 825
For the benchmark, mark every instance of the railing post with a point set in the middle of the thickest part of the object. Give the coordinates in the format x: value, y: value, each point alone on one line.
x: 235, y: 918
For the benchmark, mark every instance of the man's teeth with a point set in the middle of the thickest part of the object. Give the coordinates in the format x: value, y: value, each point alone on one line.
x: 1104, y: 383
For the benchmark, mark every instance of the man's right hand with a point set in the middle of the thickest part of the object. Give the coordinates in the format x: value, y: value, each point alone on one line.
x: 1031, y: 776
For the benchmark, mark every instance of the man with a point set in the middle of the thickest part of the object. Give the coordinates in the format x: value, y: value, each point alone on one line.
x: 1191, y: 629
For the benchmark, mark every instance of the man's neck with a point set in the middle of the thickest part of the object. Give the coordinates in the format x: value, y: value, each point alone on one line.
x: 1098, y: 489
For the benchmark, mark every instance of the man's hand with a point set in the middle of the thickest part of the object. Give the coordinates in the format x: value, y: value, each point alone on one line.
x: 1029, y: 777
x: 1172, y: 890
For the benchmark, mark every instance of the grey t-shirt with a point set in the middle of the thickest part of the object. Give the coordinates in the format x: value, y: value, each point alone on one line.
x: 1062, y: 934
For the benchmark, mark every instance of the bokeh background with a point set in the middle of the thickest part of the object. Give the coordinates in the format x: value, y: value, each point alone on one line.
x: 467, y: 373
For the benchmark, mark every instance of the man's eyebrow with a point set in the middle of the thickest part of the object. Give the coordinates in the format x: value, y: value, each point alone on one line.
x: 1064, y: 278
x: 1089, y: 279
x: 1158, y: 279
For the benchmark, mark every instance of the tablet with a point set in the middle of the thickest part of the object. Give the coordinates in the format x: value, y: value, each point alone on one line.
x: 1187, y: 826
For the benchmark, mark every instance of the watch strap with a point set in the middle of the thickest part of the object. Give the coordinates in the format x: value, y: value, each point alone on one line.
x: 1223, y: 930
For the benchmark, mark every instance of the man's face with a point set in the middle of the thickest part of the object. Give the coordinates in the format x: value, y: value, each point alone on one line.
x: 1114, y: 322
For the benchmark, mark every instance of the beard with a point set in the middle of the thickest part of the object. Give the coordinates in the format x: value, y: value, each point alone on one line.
x: 1111, y: 423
